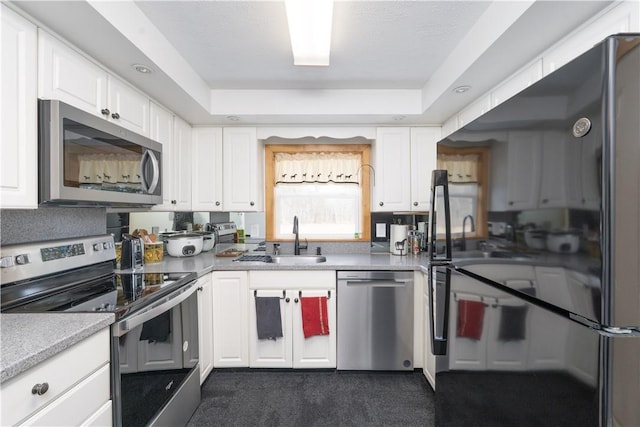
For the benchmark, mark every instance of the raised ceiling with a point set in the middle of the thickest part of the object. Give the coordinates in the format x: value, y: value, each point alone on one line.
x: 214, y: 59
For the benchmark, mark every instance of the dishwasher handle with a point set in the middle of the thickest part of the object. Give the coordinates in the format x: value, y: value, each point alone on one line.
x: 380, y: 283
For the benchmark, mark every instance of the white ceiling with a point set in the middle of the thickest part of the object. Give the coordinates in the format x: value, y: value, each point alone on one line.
x: 213, y: 59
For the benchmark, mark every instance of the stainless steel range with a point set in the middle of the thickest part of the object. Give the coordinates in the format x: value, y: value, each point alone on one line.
x: 154, y: 346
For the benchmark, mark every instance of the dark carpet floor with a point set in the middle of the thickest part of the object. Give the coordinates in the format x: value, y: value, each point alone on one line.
x: 314, y: 398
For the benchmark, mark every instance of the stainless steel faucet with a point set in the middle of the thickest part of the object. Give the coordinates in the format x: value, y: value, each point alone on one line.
x: 296, y: 241
x: 463, y: 243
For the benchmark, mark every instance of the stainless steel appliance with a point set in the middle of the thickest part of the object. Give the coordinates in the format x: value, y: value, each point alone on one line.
x: 527, y: 335
x: 132, y: 253
x: 86, y: 160
x: 375, y: 320
x: 154, y: 350
x: 226, y: 231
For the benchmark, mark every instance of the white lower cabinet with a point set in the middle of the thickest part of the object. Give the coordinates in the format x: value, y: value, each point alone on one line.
x: 205, y: 325
x: 78, y: 381
x: 293, y: 350
x: 230, y: 319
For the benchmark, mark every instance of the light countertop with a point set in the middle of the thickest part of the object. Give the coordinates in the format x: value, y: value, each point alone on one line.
x: 28, y: 339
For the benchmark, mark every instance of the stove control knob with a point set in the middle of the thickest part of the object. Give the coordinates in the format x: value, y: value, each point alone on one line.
x: 23, y: 259
x: 6, y: 262
x: 97, y: 247
x: 106, y: 245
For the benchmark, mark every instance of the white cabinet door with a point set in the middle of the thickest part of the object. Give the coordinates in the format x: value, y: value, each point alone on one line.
x: 523, y: 170
x: 128, y: 107
x: 268, y: 353
x: 205, y: 325
x: 161, y: 130
x: 230, y: 319
x: 243, y: 170
x: 18, y: 124
x: 466, y: 353
x: 181, y: 164
x: 317, y: 351
x: 66, y: 75
x: 392, y: 162
x: 423, y: 162
x: 504, y: 355
x: 553, y: 182
x: 159, y: 355
x: 206, y: 191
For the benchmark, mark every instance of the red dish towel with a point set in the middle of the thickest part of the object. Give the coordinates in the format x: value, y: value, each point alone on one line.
x: 470, y: 318
x: 315, y: 320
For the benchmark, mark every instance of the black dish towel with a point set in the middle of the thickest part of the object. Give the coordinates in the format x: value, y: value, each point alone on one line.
x: 268, y: 320
x: 512, y: 323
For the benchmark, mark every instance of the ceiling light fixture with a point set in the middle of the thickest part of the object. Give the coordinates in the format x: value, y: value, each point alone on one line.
x: 142, y: 69
x: 398, y: 118
x: 310, y: 30
x: 461, y: 89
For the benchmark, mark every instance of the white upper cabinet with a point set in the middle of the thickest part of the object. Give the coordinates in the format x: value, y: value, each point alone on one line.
x: 403, y: 159
x: 161, y: 130
x: 243, y: 172
x: 523, y: 170
x: 181, y: 158
x: 206, y: 189
x: 66, y: 75
x: 18, y: 123
x: 423, y: 162
x: 392, y: 162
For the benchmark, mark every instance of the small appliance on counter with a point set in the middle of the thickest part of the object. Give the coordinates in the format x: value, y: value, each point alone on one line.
x: 182, y: 244
x: 226, y: 231
x: 132, y: 255
x: 399, y: 237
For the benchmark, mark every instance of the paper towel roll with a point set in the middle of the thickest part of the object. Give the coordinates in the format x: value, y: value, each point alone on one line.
x: 398, y: 239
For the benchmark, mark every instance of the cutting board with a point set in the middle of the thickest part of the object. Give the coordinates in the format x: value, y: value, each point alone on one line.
x: 231, y: 252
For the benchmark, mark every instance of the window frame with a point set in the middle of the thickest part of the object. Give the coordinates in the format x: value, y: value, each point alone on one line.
x: 269, y: 186
x: 481, y: 216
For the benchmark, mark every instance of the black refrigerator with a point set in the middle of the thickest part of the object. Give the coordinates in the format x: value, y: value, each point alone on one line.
x: 537, y: 322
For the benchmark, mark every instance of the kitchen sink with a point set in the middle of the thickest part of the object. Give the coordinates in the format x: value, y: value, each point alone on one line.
x: 297, y: 259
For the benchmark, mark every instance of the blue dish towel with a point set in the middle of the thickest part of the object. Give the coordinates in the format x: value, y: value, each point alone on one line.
x: 268, y: 319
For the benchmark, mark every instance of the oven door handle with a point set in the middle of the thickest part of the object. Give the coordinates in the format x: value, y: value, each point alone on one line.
x: 170, y: 301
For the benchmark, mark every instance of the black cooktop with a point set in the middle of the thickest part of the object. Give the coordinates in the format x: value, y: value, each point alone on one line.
x: 118, y: 293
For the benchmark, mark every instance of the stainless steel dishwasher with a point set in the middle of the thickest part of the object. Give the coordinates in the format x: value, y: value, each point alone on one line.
x: 375, y: 320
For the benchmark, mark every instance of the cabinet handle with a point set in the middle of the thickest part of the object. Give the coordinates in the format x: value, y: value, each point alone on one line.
x: 105, y: 111
x: 115, y: 115
x: 295, y: 300
x: 217, y: 203
x: 415, y: 203
x: 173, y: 202
x: 251, y: 203
x: 545, y: 200
x: 510, y: 203
x: 381, y: 203
x: 287, y: 299
x: 40, y: 389
x: 200, y: 288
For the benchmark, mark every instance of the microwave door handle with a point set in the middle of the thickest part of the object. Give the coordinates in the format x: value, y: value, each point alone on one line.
x: 439, y: 294
x: 149, y: 156
x: 440, y: 178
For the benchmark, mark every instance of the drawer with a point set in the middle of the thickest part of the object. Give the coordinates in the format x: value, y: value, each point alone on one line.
x: 292, y: 279
x: 103, y: 417
x: 78, y: 404
x: 60, y: 372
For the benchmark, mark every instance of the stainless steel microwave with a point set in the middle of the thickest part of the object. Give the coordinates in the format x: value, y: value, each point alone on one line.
x: 84, y: 160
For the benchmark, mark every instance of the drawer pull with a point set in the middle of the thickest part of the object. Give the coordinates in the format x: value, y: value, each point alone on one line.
x: 40, y: 389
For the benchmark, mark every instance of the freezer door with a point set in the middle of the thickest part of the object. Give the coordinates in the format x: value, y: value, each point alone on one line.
x: 512, y: 363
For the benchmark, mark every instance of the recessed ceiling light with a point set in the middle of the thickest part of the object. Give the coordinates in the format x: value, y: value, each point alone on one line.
x: 461, y: 89
x: 398, y: 118
x: 233, y: 118
x: 142, y: 69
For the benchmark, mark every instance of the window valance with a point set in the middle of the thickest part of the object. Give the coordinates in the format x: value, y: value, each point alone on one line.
x: 317, y: 167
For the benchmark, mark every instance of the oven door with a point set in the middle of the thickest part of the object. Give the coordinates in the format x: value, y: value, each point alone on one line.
x: 155, y: 362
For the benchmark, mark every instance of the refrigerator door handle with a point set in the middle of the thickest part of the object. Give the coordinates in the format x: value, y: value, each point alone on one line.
x: 440, y: 178
x: 439, y: 287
